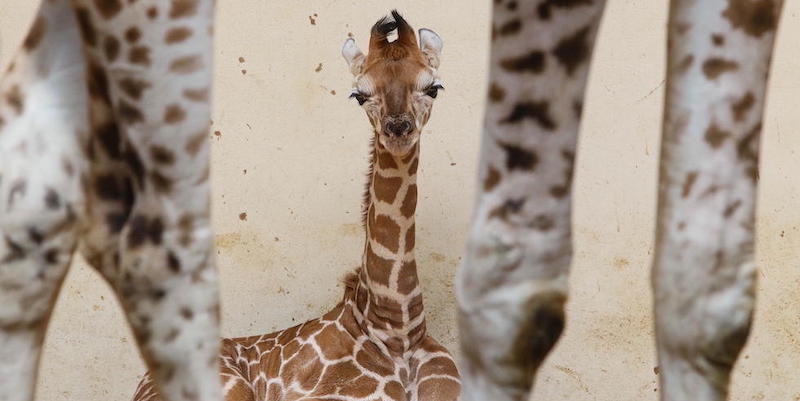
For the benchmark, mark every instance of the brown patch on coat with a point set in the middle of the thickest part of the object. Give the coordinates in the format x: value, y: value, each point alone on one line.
x: 714, y: 67
x: 491, y: 180
x: 691, y: 177
x: 35, y: 34
x: 715, y: 136
x: 742, y: 106
x: 183, y: 8
x: 574, y: 50
x: 755, y: 17
x: 537, y: 335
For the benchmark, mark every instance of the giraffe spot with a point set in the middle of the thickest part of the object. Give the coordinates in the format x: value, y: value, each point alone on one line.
x: 14, y: 99
x: 35, y: 34
x: 496, y: 93
x: 386, y: 232
x: 161, y: 155
x: 51, y: 199
x: 715, y: 136
x: 531, y: 62
x: 108, y: 135
x: 185, y: 230
x: 139, y: 55
x: 196, y: 95
x: 107, y: 187
x: 88, y: 33
x: 186, y: 65
x: 538, y: 334
x: 512, y: 5
x: 717, y: 39
x: 133, y: 34
x: 545, y: 8
x: 410, y: 201
x: 491, y: 180
x: 410, y: 238
x: 386, y: 161
x: 378, y: 268
x: 731, y: 209
x: 742, y: 106
x: 537, y: 111
x: 577, y: 108
x: 361, y: 387
x: 412, y: 168
x: 375, y: 361
x: 334, y: 345
x: 173, y: 263
x: 714, y: 67
x: 574, y: 50
x: 177, y: 35
x: 407, y: 280
x: 174, y: 114
x: 108, y: 8
x: 542, y: 223
x: 187, y: 313
x: 756, y: 17
x: 133, y: 87
x: 171, y: 335
x: 439, y: 366
x: 510, y: 206
x: 115, y: 221
x: 747, y: 147
x: 183, y: 8
x: 691, y: 177
x: 386, y: 188
x: 152, y: 12
x: 128, y: 113
x: 684, y: 65
x: 395, y: 391
x: 143, y: 229
x: 342, y: 372
x: 161, y: 183
x: 518, y: 158
x: 111, y: 48
x: 196, y: 142
x: 98, y: 82
x: 510, y: 28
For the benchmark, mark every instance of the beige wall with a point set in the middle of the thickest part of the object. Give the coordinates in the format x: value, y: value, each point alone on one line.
x: 303, y: 150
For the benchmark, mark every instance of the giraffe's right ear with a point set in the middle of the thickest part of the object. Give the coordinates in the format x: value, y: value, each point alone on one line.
x: 353, y: 55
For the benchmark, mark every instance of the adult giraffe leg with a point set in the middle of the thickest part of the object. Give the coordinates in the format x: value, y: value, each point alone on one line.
x: 704, y: 274
x: 43, y: 124
x: 512, y: 285
x: 152, y: 60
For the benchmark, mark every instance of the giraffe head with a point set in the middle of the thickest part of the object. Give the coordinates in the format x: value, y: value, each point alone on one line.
x: 397, y: 81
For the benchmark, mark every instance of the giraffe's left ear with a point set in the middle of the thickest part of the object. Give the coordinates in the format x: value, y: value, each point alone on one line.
x: 354, y: 56
x: 431, y: 45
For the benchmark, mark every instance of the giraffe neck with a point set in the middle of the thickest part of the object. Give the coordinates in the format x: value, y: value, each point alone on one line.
x: 389, y: 299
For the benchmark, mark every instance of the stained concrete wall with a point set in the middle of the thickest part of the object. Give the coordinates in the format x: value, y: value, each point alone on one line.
x: 288, y: 169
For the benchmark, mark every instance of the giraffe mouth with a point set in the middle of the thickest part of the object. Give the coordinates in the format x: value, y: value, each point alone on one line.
x: 399, y: 145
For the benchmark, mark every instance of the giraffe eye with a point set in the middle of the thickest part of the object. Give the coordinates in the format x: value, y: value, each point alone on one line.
x: 360, y: 98
x: 433, y: 90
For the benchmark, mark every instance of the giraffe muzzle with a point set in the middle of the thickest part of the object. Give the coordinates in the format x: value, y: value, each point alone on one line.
x: 397, y: 127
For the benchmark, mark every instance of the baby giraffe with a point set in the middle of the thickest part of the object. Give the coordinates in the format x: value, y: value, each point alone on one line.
x: 373, y: 345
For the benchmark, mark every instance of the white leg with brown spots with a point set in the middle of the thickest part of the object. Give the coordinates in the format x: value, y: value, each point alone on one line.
x: 42, y: 125
x: 512, y: 284
x: 103, y: 141
x: 704, y: 272
x: 150, y: 62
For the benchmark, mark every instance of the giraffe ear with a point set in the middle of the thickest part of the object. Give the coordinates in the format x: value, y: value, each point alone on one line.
x: 431, y: 45
x: 353, y: 55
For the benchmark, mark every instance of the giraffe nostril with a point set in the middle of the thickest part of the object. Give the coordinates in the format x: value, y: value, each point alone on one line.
x: 398, y: 128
